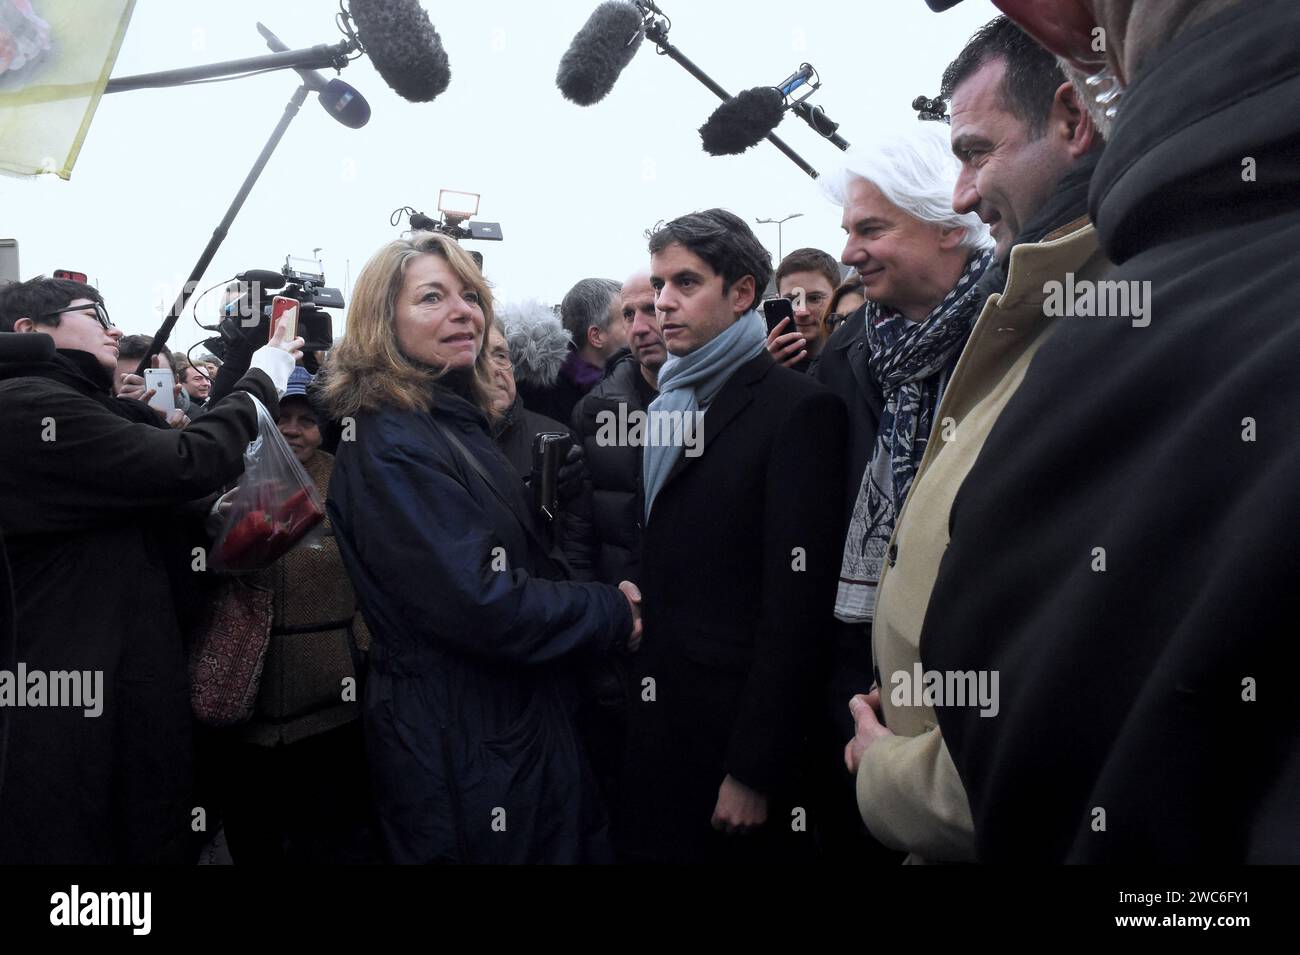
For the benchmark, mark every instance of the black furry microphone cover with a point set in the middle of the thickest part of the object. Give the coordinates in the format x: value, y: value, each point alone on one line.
x: 600, y: 52
x: 404, y: 47
x: 743, y: 121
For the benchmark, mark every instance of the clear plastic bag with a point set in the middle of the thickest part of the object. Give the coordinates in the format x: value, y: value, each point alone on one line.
x: 275, y: 508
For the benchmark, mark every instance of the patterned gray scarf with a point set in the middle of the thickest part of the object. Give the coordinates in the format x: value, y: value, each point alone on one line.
x: 910, y: 361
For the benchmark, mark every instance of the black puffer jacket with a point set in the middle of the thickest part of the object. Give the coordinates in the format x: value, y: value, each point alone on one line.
x: 615, y: 474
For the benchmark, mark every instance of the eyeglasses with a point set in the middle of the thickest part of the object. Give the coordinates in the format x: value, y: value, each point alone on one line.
x: 101, y: 313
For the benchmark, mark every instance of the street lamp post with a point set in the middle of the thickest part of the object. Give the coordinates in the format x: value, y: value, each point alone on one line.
x: 780, y: 246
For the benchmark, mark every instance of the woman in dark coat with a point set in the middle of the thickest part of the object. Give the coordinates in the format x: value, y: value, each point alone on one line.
x: 469, y: 699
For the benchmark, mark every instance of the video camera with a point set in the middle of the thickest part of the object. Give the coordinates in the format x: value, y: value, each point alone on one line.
x: 248, y: 303
x: 456, y: 208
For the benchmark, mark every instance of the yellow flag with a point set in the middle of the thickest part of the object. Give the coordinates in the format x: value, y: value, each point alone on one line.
x: 55, y: 59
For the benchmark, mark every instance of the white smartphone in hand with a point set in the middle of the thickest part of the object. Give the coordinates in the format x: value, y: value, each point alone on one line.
x: 163, y: 383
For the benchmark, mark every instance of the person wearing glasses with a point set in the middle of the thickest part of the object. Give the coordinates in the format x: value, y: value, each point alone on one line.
x: 846, y: 300
x: 97, y: 495
x: 807, y: 277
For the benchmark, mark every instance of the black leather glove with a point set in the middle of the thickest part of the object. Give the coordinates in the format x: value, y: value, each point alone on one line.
x: 572, y: 473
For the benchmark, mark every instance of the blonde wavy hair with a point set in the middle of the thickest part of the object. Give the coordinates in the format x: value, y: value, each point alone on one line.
x: 367, y: 368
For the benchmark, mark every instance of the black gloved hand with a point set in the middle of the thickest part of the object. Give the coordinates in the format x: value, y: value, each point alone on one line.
x: 572, y: 473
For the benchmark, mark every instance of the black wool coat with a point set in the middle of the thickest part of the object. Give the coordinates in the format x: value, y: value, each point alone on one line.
x: 88, y: 520
x: 1124, y: 552
x: 843, y: 369
x: 739, y: 569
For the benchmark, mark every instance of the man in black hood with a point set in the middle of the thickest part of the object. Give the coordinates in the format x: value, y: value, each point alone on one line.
x: 1130, y: 571
x: 90, y: 487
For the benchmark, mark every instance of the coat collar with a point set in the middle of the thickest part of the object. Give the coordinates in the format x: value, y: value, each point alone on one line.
x: 851, y: 338
x: 734, y: 397
x: 1051, y: 258
x: 1175, y: 164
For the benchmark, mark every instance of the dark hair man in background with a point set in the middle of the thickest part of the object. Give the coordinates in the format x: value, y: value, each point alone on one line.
x: 740, y: 555
x: 808, y: 278
x: 591, y: 313
x: 629, y: 386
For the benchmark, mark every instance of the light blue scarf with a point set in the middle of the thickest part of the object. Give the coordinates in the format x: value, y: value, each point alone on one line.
x: 690, y: 382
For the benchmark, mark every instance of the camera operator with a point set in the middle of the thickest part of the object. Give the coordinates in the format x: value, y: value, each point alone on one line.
x: 91, y: 488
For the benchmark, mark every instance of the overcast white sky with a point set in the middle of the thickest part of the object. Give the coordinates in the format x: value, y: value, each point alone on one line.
x: 574, y: 188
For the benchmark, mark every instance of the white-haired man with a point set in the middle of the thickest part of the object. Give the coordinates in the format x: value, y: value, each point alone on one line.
x: 919, y: 261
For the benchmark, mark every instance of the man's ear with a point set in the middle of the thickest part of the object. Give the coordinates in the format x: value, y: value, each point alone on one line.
x: 1074, y: 121
x: 596, y: 337
x: 744, y: 288
x: 950, y: 237
x: 24, y: 325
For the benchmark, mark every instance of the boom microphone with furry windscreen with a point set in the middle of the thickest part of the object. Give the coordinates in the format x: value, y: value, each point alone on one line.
x: 743, y: 121
x: 404, y: 46
x: 401, y: 42
x: 600, y: 52
x: 747, y: 118
x: 607, y: 43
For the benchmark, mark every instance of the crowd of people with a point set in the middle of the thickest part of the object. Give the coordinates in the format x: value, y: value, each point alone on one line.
x: 933, y: 571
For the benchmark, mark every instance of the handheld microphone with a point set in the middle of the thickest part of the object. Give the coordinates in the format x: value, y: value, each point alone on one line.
x: 337, y: 98
x: 600, y: 52
x: 404, y: 46
x: 743, y: 121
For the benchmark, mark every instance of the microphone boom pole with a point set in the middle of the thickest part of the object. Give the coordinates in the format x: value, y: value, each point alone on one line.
x: 219, y: 234
x: 322, y: 57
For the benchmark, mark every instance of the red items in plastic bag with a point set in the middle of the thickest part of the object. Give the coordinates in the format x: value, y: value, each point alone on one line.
x: 275, y: 506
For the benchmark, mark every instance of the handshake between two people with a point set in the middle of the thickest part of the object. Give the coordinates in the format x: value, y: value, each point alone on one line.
x: 276, y: 358
x: 633, y: 595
